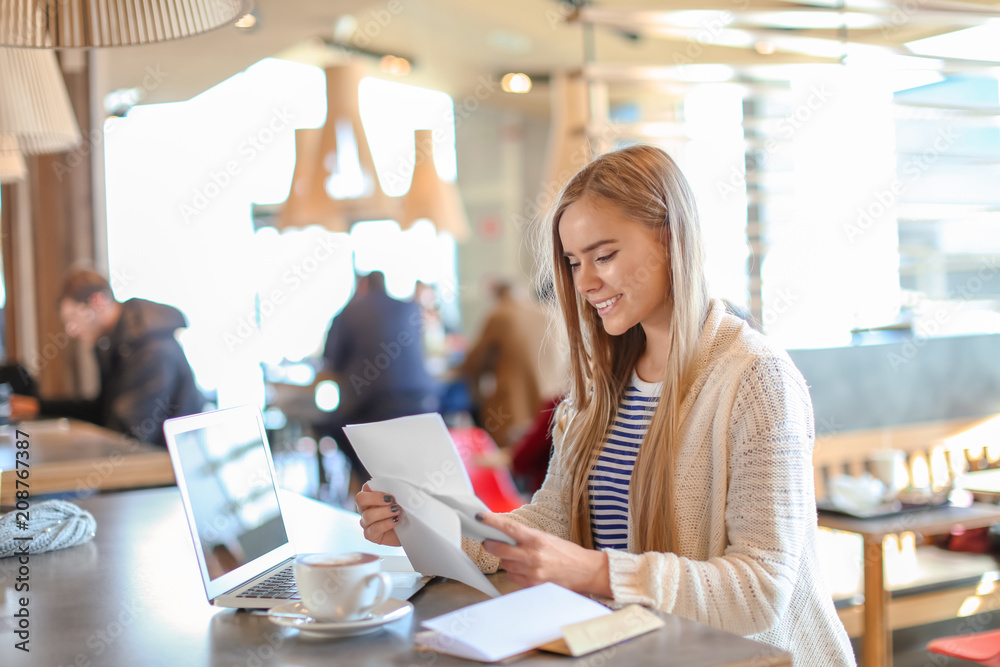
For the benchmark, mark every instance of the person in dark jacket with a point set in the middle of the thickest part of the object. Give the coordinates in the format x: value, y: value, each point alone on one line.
x: 145, y: 377
x: 375, y: 351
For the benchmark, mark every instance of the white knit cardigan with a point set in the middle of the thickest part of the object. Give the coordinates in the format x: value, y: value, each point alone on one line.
x: 746, y: 560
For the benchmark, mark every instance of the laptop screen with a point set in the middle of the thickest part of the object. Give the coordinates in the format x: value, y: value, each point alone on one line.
x: 233, y: 502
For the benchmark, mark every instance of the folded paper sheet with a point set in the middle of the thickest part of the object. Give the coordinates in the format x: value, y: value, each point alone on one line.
x: 414, y: 460
x: 506, y: 626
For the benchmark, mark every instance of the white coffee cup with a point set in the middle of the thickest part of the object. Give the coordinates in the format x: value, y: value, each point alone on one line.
x: 341, y: 587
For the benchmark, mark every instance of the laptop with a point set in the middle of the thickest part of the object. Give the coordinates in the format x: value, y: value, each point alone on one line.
x: 222, y: 462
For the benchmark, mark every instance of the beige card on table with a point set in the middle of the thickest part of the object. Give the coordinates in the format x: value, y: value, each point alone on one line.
x: 593, y: 635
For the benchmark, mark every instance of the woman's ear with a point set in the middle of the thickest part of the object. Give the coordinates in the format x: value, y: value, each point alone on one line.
x: 562, y: 416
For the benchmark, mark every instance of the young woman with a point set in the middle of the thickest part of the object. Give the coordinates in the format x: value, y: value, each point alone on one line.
x: 681, y: 476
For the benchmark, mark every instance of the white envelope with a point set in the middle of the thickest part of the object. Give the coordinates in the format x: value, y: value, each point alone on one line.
x: 506, y: 626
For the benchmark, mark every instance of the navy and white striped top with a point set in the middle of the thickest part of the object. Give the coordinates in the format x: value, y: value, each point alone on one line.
x: 609, y: 481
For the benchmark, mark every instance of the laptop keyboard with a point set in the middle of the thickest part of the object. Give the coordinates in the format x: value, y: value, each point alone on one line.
x: 280, y: 585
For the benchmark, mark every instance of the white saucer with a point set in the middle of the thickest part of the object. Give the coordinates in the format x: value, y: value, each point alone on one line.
x: 293, y: 615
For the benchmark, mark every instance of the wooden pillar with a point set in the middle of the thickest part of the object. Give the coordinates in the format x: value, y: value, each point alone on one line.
x: 876, y: 643
x: 11, y: 339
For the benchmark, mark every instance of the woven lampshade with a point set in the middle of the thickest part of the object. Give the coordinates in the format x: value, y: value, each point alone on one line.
x: 61, y: 24
x: 335, y: 184
x: 296, y: 211
x: 430, y: 197
x: 12, y: 167
x: 34, y: 106
x: 568, y: 149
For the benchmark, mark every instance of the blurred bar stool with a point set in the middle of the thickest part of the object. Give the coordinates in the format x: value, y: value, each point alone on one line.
x: 982, y: 647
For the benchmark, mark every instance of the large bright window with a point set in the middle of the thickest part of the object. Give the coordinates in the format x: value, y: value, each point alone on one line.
x: 873, y: 202
x: 182, y: 180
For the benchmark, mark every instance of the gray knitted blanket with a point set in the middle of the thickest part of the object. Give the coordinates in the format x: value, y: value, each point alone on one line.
x: 49, y: 525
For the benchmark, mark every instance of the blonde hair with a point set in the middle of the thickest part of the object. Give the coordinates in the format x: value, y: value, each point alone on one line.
x: 646, y: 185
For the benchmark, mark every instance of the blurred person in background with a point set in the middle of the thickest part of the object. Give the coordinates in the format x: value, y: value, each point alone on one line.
x: 145, y: 378
x: 505, y: 366
x: 375, y: 352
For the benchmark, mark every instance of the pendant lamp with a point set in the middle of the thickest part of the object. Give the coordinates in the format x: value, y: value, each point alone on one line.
x: 35, y: 112
x: 12, y: 167
x: 61, y: 24
x: 568, y: 148
x: 335, y: 184
x: 430, y: 197
x: 296, y: 211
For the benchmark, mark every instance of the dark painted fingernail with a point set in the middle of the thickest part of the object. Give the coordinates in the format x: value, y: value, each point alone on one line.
x: 394, y: 508
x: 387, y: 498
x: 479, y: 516
x: 395, y: 519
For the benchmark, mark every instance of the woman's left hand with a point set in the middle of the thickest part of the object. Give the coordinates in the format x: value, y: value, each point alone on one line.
x: 539, y: 558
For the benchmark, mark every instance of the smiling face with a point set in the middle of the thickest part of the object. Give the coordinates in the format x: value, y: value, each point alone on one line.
x: 618, y: 265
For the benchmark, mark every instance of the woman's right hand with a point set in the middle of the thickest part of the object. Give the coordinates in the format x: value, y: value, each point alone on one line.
x: 379, y: 516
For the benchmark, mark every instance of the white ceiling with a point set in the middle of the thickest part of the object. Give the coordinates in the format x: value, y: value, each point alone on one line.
x: 454, y: 43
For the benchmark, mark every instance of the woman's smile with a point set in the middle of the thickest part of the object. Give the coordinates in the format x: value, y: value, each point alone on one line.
x: 604, y: 307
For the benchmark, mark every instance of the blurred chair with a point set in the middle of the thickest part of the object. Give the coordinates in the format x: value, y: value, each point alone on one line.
x: 982, y: 647
x: 492, y: 483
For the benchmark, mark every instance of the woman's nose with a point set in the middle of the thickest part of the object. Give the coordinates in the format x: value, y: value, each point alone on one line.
x: 587, y: 279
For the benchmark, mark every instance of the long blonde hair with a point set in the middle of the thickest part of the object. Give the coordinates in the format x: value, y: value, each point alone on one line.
x: 647, y: 186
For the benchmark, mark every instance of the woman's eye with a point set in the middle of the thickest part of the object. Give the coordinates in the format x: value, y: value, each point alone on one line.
x: 573, y: 267
x: 606, y: 258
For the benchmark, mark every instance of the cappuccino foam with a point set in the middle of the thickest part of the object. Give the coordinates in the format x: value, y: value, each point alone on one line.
x: 336, y: 560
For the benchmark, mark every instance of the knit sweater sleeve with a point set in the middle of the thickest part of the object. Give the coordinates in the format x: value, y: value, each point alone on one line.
x: 769, y: 507
x: 546, y: 511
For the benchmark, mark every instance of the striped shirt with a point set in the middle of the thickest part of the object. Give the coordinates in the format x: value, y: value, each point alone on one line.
x: 609, y: 480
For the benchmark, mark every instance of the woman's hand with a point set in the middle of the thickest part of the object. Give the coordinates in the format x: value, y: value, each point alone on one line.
x: 379, y: 516
x: 539, y: 558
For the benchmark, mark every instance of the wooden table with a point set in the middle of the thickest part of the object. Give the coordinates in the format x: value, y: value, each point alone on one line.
x: 133, y: 596
x: 877, y: 638
x: 75, y: 457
